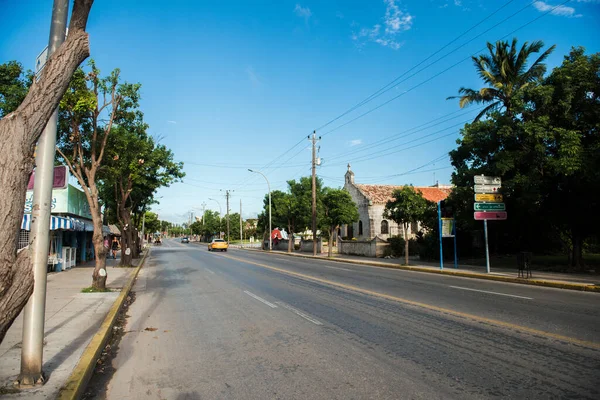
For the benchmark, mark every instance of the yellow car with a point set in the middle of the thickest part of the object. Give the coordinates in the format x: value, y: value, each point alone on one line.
x: 218, y: 244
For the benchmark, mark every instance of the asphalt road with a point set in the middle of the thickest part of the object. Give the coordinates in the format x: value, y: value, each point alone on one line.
x: 248, y: 325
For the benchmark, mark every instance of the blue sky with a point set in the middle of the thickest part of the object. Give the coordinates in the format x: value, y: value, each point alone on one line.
x: 233, y: 85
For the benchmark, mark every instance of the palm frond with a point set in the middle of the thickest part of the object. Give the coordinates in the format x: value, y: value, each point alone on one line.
x: 538, y: 69
x: 491, y: 107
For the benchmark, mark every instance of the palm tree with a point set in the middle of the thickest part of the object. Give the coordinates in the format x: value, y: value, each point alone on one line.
x: 505, y: 71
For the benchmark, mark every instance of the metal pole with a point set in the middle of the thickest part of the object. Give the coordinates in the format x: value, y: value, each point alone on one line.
x: 314, y: 191
x: 270, y: 227
x: 227, y: 210
x: 455, y: 253
x: 241, y: 230
x: 33, y: 318
x: 487, y: 250
x: 439, y: 204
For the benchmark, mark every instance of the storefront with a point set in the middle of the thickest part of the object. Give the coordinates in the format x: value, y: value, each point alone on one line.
x: 71, y: 227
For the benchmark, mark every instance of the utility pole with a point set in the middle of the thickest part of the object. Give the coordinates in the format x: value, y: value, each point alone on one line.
x: 241, y: 231
x: 203, y: 215
x: 227, y: 194
x: 33, y: 318
x: 314, y: 190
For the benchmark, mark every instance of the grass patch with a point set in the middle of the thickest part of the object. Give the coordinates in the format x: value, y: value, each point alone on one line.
x: 94, y: 290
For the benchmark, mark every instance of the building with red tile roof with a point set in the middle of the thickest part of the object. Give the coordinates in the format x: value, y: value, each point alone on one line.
x: 371, y: 201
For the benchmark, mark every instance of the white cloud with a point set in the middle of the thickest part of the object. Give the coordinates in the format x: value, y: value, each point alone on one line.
x: 458, y: 3
x: 302, y: 12
x: 355, y: 142
x: 339, y: 15
x: 561, y: 11
x: 172, y: 122
x: 395, y: 21
x: 252, y: 76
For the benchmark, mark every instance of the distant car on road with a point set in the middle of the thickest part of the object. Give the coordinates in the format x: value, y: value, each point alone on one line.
x: 218, y: 244
x: 185, y: 240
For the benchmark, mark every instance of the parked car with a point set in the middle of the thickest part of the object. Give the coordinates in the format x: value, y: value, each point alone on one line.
x: 185, y: 240
x: 218, y: 244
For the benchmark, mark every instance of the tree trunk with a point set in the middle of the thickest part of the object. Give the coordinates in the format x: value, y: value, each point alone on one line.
x: 577, y: 252
x: 126, y: 237
x: 405, y: 244
x: 99, y: 275
x: 330, y: 246
x: 19, y: 132
x: 136, y: 244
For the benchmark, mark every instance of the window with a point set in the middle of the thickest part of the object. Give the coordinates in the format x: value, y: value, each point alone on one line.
x: 360, y: 228
x: 384, y: 227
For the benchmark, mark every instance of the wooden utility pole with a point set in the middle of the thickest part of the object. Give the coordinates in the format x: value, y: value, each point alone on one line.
x: 314, y: 191
x: 241, y: 229
x: 227, y: 194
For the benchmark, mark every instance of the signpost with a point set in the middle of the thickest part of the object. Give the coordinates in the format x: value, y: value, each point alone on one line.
x: 447, y: 228
x: 487, y: 188
x: 492, y: 198
x: 487, y: 180
x: 488, y: 206
x: 493, y: 215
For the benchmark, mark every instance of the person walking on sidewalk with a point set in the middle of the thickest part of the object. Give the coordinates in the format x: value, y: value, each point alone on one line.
x: 115, y: 247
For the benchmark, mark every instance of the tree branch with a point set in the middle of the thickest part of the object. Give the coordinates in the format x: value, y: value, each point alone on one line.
x: 80, y: 14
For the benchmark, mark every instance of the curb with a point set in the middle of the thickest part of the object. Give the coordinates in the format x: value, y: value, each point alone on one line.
x: 533, y: 282
x: 79, y: 378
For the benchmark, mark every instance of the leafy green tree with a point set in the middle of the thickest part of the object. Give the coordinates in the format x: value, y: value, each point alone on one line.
x: 211, y: 224
x: 548, y: 161
x: 134, y: 176
x: 506, y: 72
x: 90, y: 108
x: 339, y: 209
x: 407, y: 206
x: 234, y: 226
x: 14, y: 84
x: 196, y: 227
x: 151, y: 222
x: 18, y: 134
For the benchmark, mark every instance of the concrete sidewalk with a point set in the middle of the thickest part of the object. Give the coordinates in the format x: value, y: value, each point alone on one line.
x: 554, y: 279
x: 72, y: 319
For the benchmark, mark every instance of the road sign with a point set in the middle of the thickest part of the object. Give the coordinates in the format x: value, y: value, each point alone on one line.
x: 40, y: 61
x: 490, y: 215
x: 491, y: 198
x: 488, y: 180
x: 490, y: 207
x: 488, y: 197
x: 487, y: 188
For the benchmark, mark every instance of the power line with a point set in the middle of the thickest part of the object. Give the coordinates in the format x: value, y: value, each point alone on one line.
x: 370, y: 156
x: 396, y: 151
x: 447, y: 69
x: 385, y: 88
x: 400, y: 135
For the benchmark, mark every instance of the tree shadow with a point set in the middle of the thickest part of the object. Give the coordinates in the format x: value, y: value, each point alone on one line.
x: 59, y: 358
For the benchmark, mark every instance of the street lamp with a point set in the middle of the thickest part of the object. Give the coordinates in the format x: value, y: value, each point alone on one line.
x: 270, y: 229
x: 218, y: 204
